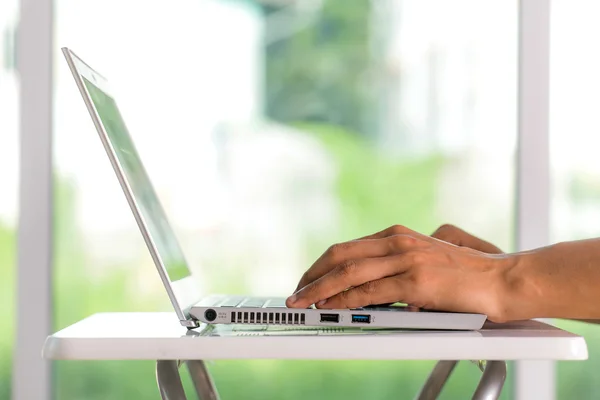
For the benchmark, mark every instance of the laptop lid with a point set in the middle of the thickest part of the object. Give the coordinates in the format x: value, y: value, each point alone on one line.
x: 141, y: 196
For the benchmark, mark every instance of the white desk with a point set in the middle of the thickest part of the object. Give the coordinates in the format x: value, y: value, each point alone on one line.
x: 158, y: 336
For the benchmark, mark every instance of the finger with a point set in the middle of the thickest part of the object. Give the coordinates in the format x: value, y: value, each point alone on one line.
x: 391, y: 231
x: 388, y: 290
x: 358, y: 249
x: 349, y: 274
x: 338, y: 254
x: 459, y: 237
x: 452, y: 234
x: 402, y: 230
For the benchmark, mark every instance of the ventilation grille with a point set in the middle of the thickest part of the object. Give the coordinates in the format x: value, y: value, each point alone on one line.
x: 276, y: 318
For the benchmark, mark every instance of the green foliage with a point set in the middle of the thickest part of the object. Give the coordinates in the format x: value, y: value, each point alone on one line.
x: 374, y: 191
x: 320, y: 74
x: 7, y: 306
x: 76, y: 296
x: 576, y: 379
x: 584, y: 188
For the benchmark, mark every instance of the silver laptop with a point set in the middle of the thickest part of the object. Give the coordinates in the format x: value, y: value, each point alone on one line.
x: 191, y: 307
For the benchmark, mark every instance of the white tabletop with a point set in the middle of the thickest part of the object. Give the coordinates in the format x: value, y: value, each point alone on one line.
x: 158, y: 336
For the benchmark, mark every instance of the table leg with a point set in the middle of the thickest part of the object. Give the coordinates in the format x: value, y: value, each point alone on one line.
x: 489, y: 387
x: 169, y: 380
x: 436, y: 380
x: 492, y: 381
x: 202, y: 381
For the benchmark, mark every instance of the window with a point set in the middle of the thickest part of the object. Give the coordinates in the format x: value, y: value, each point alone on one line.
x: 575, y: 124
x: 9, y: 174
x: 309, y: 123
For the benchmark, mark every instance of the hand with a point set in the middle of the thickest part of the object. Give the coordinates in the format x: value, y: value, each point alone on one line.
x: 400, y: 265
x: 454, y: 235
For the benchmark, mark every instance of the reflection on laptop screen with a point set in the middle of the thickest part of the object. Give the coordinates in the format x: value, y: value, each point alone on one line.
x: 149, y: 207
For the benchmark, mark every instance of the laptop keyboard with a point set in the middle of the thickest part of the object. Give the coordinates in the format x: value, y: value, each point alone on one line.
x: 231, y: 302
x: 252, y: 302
x: 276, y: 303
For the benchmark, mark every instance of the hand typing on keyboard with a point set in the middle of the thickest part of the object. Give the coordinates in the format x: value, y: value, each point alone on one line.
x: 401, y: 265
x: 455, y: 271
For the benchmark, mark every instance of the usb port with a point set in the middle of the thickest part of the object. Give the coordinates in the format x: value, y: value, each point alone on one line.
x: 330, y: 317
x: 361, y: 319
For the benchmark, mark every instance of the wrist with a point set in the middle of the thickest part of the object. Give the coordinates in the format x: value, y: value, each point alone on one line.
x: 558, y: 281
x: 515, y: 294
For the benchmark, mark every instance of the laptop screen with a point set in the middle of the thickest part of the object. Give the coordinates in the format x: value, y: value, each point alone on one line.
x: 147, y: 201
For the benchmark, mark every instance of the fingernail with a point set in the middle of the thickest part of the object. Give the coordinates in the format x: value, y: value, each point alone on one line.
x: 293, y: 298
x: 322, y: 303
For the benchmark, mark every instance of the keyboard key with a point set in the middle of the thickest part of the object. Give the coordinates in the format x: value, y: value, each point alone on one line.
x: 276, y: 303
x: 253, y: 302
x: 231, y: 302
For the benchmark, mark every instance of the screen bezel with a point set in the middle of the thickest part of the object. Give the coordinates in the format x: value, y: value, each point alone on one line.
x: 184, y: 292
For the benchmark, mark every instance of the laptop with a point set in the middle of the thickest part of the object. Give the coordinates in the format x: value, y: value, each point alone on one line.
x: 191, y: 307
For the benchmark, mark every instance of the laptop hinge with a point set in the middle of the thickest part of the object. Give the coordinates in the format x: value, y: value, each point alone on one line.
x: 190, y: 323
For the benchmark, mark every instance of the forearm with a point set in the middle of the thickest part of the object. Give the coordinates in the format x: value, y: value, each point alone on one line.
x: 559, y: 281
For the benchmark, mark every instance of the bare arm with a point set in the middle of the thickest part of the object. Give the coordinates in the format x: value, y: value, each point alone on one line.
x: 559, y: 281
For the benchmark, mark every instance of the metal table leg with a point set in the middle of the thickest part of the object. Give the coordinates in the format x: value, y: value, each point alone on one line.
x: 170, y: 386
x: 438, y: 377
x: 489, y: 387
x: 492, y: 381
x: 203, y: 383
x: 169, y: 380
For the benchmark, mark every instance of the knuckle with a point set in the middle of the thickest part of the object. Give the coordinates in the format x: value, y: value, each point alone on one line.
x: 398, y: 229
x: 343, y: 299
x: 369, y: 288
x: 310, y: 290
x: 347, y: 268
x: 402, y: 241
x: 332, y: 250
x: 336, y: 250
